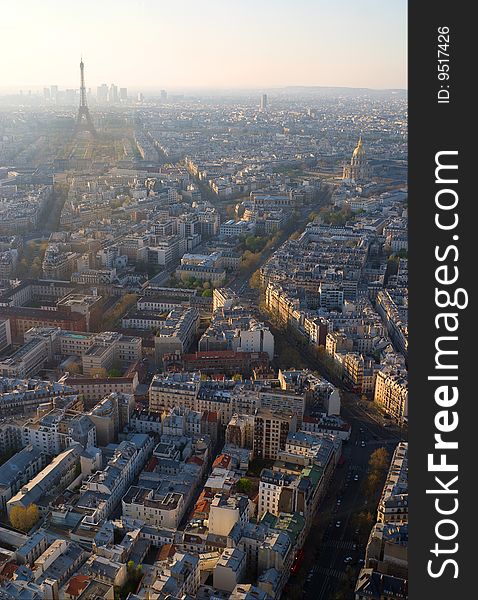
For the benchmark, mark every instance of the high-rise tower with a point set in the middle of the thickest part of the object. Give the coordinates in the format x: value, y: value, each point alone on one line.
x: 263, y: 102
x: 83, y: 120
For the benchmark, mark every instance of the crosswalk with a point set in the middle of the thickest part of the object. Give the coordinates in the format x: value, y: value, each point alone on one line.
x: 341, y: 544
x: 330, y: 572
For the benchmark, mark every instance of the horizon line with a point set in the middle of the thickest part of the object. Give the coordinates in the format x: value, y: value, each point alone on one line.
x: 30, y: 87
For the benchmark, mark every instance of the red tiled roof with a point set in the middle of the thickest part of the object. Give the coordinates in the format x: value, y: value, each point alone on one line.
x: 210, y: 416
x: 166, y: 551
x: 212, y: 354
x: 77, y: 584
x: 223, y: 461
x: 202, y: 506
x: 8, y: 570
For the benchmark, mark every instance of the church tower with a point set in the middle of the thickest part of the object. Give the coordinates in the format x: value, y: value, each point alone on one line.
x: 358, y: 170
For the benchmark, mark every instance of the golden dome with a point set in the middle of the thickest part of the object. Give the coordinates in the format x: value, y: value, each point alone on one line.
x: 359, y: 149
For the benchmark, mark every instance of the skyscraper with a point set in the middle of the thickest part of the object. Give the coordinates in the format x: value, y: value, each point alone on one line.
x: 113, y: 94
x: 264, y: 102
x: 102, y: 93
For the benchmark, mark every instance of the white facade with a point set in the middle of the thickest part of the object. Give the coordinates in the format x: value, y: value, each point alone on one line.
x: 224, y: 515
x: 229, y: 569
x: 159, y: 511
x: 256, y: 339
x: 332, y: 403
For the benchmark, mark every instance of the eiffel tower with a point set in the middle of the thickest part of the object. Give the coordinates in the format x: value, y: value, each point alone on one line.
x: 83, y: 120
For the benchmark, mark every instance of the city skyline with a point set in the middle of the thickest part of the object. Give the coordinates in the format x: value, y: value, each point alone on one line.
x: 204, y: 300
x: 153, y: 45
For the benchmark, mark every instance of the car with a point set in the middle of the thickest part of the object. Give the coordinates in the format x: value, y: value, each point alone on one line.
x: 339, y: 501
x: 356, y: 477
x: 354, y: 547
x: 338, y: 524
x: 362, y: 444
x: 348, y: 560
x: 361, y: 561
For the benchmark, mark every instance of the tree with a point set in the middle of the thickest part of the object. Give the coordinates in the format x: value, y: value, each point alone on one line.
x: 290, y: 358
x: 118, y: 310
x: 371, y: 484
x: 207, y: 294
x: 379, y: 460
x: 392, y: 267
x: 364, y: 520
x: 73, y: 368
x: 99, y: 373
x: 24, y: 518
x: 255, y: 280
x: 378, y: 464
x: 249, y: 260
x: 131, y: 566
x: 244, y: 485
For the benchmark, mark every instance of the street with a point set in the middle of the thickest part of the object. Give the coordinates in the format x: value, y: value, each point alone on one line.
x: 336, y: 544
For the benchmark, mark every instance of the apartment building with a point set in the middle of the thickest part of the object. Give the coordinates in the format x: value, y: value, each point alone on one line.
x: 391, y: 392
x: 270, y: 489
x: 393, y: 504
x: 215, y: 275
x: 54, y: 431
x: 166, y: 392
x: 276, y: 400
x: 240, y: 431
x: 18, y: 470
x: 101, y: 491
x: 176, y: 333
x: 27, y: 361
x: 225, y: 511
x: 5, y: 335
x: 271, y: 429
x: 95, y: 388
x: 158, y: 509
x: 181, y: 578
x: 54, y: 477
x: 229, y: 569
x: 109, y: 348
x: 372, y: 585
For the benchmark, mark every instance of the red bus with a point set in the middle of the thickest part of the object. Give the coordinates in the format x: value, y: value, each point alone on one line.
x: 299, y: 557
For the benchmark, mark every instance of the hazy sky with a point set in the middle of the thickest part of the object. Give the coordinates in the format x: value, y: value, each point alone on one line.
x: 204, y: 43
